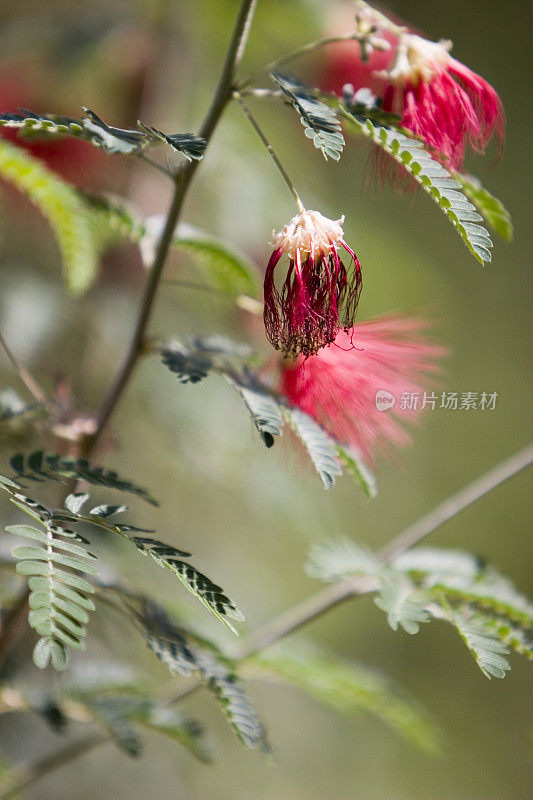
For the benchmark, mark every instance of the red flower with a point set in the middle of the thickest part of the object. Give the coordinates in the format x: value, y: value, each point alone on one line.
x: 441, y: 100
x: 318, y: 296
x: 437, y: 98
x: 341, y: 386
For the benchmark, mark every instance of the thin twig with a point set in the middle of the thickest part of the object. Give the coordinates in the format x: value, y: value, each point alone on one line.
x: 182, y: 181
x: 34, y: 388
x: 27, y: 775
x: 318, y: 604
x: 301, y: 614
x: 269, y: 149
x: 293, y: 55
x: 155, y: 164
x: 457, y: 503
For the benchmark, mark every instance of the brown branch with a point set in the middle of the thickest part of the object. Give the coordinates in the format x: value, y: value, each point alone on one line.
x: 182, y: 181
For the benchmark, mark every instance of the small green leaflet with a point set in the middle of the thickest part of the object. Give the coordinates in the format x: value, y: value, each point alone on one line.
x: 62, y: 207
x: 490, y: 208
x: 225, y: 267
x: 484, y: 644
x: 403, y: 604
x: 269, y: 411
x: 319, y: 120
x: 321, y: 448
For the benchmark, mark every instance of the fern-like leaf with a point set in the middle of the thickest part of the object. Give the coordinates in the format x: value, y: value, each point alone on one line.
x: 264, y: 409
x: 40, y: 466
x: 113, y: 713
x: 169, y: 722
x: 484, y: 644
x: 192, y: 363
x: 348, y: 687
x: 187, y: 654
x: 208, y: 593
x: 335, y: 559
x: 109, y: 138
x: 440, y: 184
x: 62, y: 207
x: 321, y: 448
x: 403, y: 604
x: 319, y: 120
x: 59, y: 600
x: 199, y: 585
x: 359, y: 471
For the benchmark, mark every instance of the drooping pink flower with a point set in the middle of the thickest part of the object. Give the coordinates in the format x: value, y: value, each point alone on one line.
x: 441, y: 100
x: 362, y: 387
x: 319, y: 295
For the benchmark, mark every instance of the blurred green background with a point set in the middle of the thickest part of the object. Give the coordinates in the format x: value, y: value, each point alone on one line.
x: 249, y: 514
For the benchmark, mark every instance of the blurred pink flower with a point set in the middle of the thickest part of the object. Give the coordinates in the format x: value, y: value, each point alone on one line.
x: 318, y: 296
x: 441, y: 100
x: 436, y: 97
x: 340, y: 387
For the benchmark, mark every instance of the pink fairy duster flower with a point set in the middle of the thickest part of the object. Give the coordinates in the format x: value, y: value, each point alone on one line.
x: 441, y: 100
x: 319, y: 295
x: 341, y: 387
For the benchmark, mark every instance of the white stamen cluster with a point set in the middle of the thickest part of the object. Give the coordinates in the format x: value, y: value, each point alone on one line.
x: 309, y: 232
x: 417, y: 60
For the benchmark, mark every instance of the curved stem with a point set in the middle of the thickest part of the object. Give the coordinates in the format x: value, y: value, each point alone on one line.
x: 270, y: 150
x: 293, y: 55
x: 24, y: 374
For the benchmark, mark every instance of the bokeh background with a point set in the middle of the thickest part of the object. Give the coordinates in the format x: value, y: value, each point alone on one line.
x: 249, y: 514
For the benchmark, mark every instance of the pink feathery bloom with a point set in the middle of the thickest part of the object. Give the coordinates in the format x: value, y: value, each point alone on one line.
x: 319, y: 295
x: 441, y: 100
x: 365, y: 385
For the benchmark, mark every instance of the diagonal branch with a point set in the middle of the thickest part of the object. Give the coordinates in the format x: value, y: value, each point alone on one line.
x: 24, y: 374
x: 182, y: 181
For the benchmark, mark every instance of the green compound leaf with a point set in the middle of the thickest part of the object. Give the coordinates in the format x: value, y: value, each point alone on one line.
x: 41, y: 466
x: 58, y: 600
x: 490, y: 208
x: 62, y: 207
x: 194, y: 361
x: 186, y: 654
x: 483, y: 642
x: 359, y: 471
x: 320, y: 446
x: 348, y: 687
x: 112, y: 140
x: 208, y: 593
x: 319, y: 120
x: 226, y: 268
x: 442, y: 186
x: 339, y: 558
